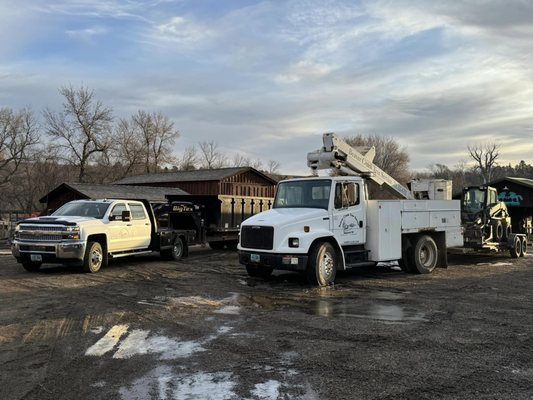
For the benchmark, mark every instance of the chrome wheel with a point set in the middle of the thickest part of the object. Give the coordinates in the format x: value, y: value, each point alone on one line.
x: 322, y: 264
x: 94, y: 257
x: 327, y: 265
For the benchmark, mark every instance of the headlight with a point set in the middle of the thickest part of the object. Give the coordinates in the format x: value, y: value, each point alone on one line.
x: 294, y: 242
x: 72, y: 233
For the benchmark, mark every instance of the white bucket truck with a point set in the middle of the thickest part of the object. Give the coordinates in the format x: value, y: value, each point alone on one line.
x: 323, y: 224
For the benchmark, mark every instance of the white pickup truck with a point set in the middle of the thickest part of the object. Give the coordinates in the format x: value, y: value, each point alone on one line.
x: 89, y: 232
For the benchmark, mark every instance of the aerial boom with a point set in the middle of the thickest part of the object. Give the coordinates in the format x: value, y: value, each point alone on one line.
x: 338, y: 154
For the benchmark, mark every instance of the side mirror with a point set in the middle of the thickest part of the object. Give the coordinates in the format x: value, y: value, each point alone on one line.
x: 126, y: 216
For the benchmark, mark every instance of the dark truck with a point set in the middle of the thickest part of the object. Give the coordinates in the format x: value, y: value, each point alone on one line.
x: 89, y: 232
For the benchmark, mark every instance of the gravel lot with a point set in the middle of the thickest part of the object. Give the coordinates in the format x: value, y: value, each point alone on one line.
x: 201, y: 329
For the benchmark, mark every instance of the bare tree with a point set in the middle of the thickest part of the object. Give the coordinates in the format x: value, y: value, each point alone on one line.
x: 18, y: 134
x: 82, y: 128
x: 128, y: 148
x: 272, y: 167
x: 189, y: 159
x: 485, y: 156
x: 239, y: 160
x: 158, y: 135
x: 34, y: 179
x: 211, y: 157
x: 390, y: 157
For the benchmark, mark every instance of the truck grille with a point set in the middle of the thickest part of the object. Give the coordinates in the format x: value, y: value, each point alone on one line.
x: 257, y: 237
x: 40, y: 237
x: 41, y: 228
x: 50, y: 233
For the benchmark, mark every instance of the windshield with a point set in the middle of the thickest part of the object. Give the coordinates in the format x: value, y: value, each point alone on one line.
x: 473, y: 200
x: 83, y: 209
x: 310, y: 193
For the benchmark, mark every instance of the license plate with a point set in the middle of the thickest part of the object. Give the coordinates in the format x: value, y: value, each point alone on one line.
x: 255, y: 257
x: 36, y: 257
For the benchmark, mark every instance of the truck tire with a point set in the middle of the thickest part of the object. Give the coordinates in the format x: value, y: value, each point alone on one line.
x: 322, y: 265
x: 258, y: 272
x: 31, y: 266
x: 94, y: 257
x: 506, y: 233
x: 497, y: 229
x: 423, y: 255
x: 178, y: 249
x: 524, y: 247
x: 516, y: 250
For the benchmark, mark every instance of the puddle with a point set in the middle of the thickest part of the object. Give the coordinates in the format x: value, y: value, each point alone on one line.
x: 169, y: 385
x: 371, y: 305
x: 165, y: 382
x: 387, y: 313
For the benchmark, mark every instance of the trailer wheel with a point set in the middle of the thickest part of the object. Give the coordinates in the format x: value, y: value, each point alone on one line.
x: 524, y: 247
x: 94, y: 257
x: 256, y: 271
x: 178, y: 249
x: 31, y: 266
x: 322, y: 267
x: 516, y: 250
x: 423, y: 255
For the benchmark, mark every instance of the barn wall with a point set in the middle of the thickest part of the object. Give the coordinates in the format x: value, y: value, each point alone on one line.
x: 244, y: 184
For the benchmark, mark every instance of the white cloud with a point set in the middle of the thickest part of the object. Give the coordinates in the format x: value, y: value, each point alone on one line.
x: 87, y: 34
x: 182, y: 32
x: 268, y: 78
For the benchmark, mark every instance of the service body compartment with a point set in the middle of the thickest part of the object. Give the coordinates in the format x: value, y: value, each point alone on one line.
x: 384, y: 230
x: 388, y: 220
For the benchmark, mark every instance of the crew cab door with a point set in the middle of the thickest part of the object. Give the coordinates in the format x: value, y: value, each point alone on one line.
x: 348, y: 218
x: 120, y: 233
x: 142, y: 228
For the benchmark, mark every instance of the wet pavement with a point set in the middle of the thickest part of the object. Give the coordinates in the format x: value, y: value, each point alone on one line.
x: 202, y: 329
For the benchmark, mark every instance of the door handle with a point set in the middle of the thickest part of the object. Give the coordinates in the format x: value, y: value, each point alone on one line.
x: 128, y: 225
x: 147, y: 224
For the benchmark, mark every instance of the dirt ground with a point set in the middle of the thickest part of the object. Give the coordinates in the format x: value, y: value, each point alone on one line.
x: 201, y: 329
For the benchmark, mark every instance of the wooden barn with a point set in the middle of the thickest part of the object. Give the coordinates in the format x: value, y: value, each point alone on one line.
x: 77, y: 191
x: 245, y: 181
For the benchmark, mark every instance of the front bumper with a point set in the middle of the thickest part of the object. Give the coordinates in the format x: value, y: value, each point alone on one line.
x: 51, y: 252
x: 288, y: 262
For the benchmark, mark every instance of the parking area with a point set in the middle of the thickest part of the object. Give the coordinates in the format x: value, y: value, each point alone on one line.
x: 202, y: 329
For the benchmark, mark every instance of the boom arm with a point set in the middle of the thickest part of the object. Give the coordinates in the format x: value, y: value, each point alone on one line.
x: 338, y: 154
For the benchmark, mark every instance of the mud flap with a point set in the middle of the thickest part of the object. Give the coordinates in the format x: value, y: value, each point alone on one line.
x: 440, y: 241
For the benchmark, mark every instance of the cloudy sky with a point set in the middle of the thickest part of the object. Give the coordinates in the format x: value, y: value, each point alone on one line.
x: 266, y: 78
